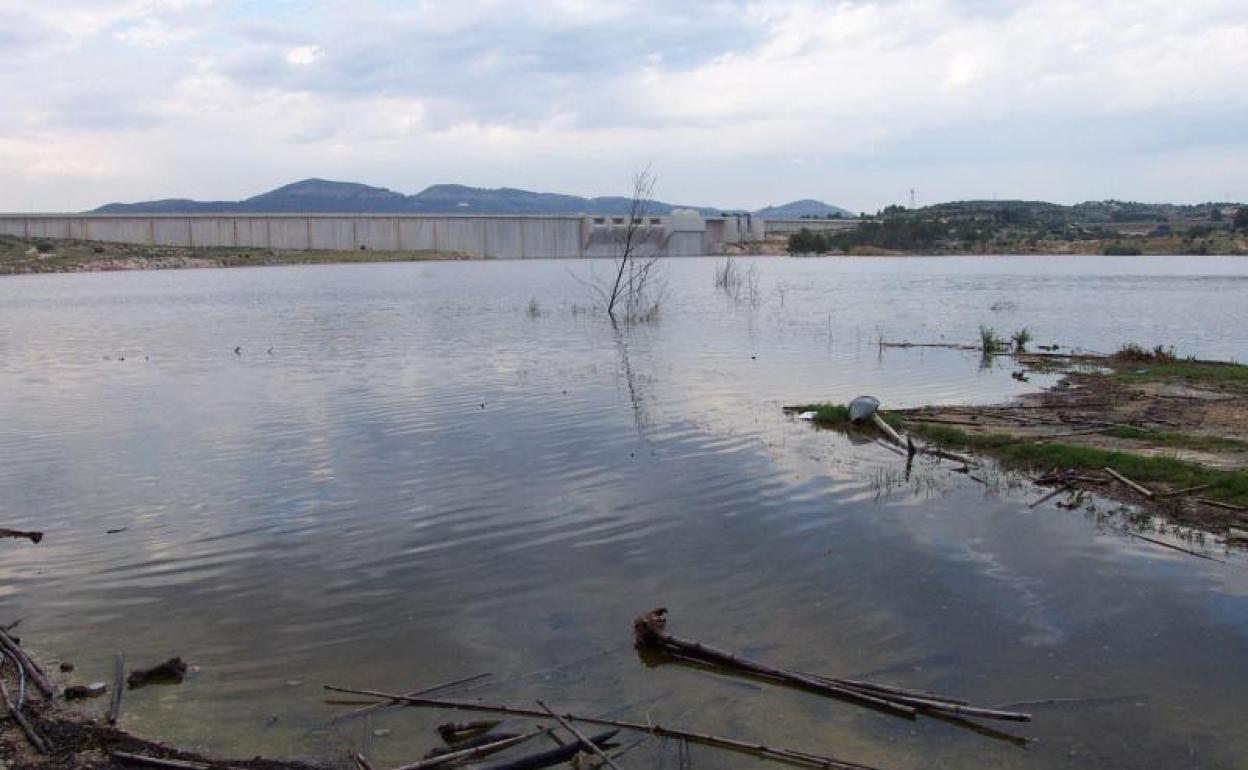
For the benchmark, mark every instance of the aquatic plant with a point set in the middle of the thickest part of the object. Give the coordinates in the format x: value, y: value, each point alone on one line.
x: 989, y: 342
x: 1020, y: 339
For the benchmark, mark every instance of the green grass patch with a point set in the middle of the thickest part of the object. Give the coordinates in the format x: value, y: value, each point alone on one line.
x: 837, y: 415
x: 1227, y: 486
x: 1227, y: 375
x: 1180, y: 440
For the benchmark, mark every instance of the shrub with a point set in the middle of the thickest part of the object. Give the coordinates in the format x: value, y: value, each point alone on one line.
x: 989, y: 342
x: 1020, y: 340
x: 805, y: 241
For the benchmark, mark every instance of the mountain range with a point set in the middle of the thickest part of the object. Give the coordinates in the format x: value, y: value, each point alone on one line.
x: 323, y: 196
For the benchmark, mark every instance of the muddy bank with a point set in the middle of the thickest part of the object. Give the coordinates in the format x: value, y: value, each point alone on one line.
x: 1169, y: 435
x: 78, y: 737
x: 43, y: 255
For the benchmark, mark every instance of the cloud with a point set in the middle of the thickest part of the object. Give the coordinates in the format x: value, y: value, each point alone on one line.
x: 736, y: 103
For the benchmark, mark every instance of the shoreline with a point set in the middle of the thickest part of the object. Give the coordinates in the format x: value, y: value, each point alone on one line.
x: 1168, y: 435
x: 37, y: 256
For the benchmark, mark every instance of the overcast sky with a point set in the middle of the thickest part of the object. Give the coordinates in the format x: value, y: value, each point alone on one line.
x: 734, y: 104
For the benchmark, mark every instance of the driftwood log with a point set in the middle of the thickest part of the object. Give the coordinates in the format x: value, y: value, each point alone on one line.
x: 119, y: 681
x: 789, y: 756
x: 23, y: 722
x: 33, y: 672
x: 172, y: 671
x: 494, y: 746
x: 650, y: 631
x: 33, y: 537
x: 555, y: 756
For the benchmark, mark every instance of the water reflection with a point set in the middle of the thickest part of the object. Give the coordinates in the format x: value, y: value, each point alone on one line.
x: 425, y: 481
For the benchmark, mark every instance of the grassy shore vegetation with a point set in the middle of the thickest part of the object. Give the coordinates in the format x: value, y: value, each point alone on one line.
x: 1033, y: 227
x: 1025, y: 453
x: 41, y: 255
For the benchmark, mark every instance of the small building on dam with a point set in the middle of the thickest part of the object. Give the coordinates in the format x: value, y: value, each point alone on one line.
x: 500, y: 236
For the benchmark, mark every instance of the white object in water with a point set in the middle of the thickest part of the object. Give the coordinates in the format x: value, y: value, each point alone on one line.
x: 861, y: 408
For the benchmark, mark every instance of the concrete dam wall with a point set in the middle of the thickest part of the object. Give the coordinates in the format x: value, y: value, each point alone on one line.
x: 492, y: 236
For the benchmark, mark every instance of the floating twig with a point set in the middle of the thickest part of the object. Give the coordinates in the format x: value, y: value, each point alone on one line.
x: 168, y: 764
x: 555, y: 756
x: 1050, y: 496
x: 579, y: 736
x: 757, y: 749
x: 1174, y: 547
x: 472, y: 752
x: 426, y: 691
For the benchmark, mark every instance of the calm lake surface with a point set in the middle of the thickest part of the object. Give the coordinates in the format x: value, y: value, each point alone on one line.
x: 425, y: 480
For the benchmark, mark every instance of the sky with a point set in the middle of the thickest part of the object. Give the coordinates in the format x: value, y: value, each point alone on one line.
x: 732, y: 104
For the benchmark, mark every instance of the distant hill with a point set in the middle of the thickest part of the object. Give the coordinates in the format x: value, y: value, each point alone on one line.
x: 805, y: 208
x: 322, y: 196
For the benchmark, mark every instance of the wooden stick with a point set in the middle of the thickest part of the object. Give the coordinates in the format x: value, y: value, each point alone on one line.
x: 1216, y: 504
x: 1173, y: 547
x: 1187, y: 491
x: 579, y: 736
x: 757, y: 749
x: 1142, y: 490
x: 119, y: 684
x: 650, y: 629
x: 551, y: 757
x: 1050, y: 496
x: 32, y: 735
x: 428, y: 690
x: 475, y: 751
x: 33, y: 671
x: 169, y: 764
x: 959, y: 709
x: 804, y: 681
x: 33, y: 537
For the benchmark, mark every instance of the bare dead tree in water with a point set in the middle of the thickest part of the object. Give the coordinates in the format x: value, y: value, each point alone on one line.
x: 637, y: 288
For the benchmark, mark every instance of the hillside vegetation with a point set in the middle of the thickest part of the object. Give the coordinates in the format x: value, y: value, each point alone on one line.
x: 1014, y: 227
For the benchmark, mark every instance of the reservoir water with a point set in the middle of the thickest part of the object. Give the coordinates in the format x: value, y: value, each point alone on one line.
x: 414, y: 472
